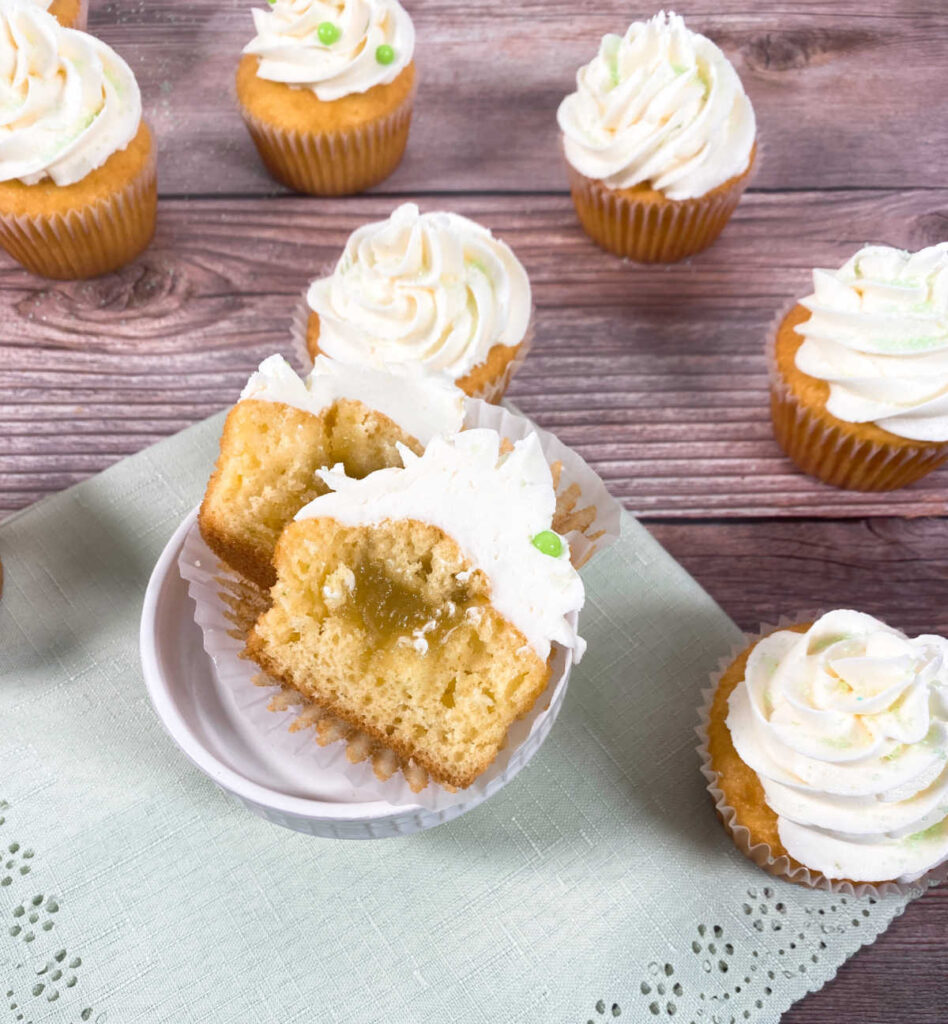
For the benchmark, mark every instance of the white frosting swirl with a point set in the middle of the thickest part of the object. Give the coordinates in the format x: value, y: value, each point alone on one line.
x: 846, y: 726
x: 291, y: 51
x: 67, y: 101
x: 422, y: 404
x: 878, y: 334
x: 432, y: 288
x: 492, y: 505
x: 660, y: 105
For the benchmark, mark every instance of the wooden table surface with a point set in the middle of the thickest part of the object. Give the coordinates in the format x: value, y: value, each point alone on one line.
x: 656, y: 374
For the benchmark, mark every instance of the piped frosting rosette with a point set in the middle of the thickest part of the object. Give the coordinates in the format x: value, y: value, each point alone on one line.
x: 332, y: 47
x: 67, y: 101
x: 846, y: 727
x: 436, y: 289
x: 878, y: 335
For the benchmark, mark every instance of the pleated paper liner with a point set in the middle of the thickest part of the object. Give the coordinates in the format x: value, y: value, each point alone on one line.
x: 492, y: 389
x: 758, y: 851
x: 333, y: 163
x: 87, y: 241
x: 225, y: 606
x: 832, y: 453
x: 650, y: 229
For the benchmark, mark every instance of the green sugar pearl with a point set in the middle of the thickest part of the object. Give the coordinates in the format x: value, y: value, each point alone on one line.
x: 549, y: 543
x: 328, y: 32
x: 384, y: 54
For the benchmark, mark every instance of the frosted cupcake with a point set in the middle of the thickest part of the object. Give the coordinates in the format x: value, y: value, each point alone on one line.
x: 78, y: 189
x: 827, y: 752
x: 326, y: 88
x: 859, y: 370
x: 422, y: 604
x: 284, y: 429
x: 69, y: 13
x: 435, y: 289
x: 659, y: 140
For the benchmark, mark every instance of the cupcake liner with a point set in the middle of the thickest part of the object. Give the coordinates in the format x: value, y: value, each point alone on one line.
x: 90, y: 240
x: 367, y: 765
x: 761, y: 853
x: 491, y: 391
x: 830, y: 453
x: 650, y: 232
x: 334, y: 163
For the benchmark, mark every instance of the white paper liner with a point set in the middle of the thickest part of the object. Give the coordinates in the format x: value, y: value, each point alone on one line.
x: 761, y: 853
x: 842, y: 455
x: 83, y: 242
x: 492, y: 391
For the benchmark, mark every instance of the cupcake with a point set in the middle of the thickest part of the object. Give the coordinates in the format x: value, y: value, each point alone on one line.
x: 859, y: 370
x: 78, y: 189
x: 826, y: 752
x: 422, y: 604
x: 434, y: 289
x: 284, y: 429
x: 69, y: 13
x: 659, y: 140
x: 325, y: 88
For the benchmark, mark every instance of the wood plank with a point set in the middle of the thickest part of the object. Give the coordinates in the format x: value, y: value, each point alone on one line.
x: 836, y: 87
x: 656, y: 374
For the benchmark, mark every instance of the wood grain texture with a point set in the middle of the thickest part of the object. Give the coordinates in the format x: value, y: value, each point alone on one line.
x: 655, y: 374
x: 836, y: 88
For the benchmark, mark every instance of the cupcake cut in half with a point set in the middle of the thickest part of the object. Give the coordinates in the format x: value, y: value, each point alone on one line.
x: 284, y: 429
x: 78, y: 191
x: 829, y: 744
x: 326, y: 88
x: 859, y: 370
x: 659, y: 138
x: 421, y: 604
x: 435, y: 289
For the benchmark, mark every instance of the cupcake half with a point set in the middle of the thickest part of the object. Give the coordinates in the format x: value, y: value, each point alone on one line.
x: 859, y: 370
x: 659, y: 140
x: 78, y: 191
x: 432, y: 289
x: 827, y: 752
x: 421, y: 604
x: 284, y: 429
x: 326, y: 88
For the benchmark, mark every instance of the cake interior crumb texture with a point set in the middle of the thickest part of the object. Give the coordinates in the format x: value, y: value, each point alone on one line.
x: 386, y: 626
x: 266, y: 472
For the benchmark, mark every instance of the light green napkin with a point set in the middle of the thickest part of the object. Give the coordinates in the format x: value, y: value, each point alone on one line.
x: 598, y: 884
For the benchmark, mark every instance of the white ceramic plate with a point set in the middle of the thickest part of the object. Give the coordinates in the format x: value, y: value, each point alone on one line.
x: 262, y: 767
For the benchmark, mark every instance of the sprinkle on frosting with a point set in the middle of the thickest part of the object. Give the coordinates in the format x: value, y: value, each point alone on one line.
x: 846, y: 726
x: 423, y: 404
x: 432, y: 288
x: 878, y: 335
x: 492, y: 505
x: 67, y: 101
x: 331, y: 46
x: 661, y: 106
